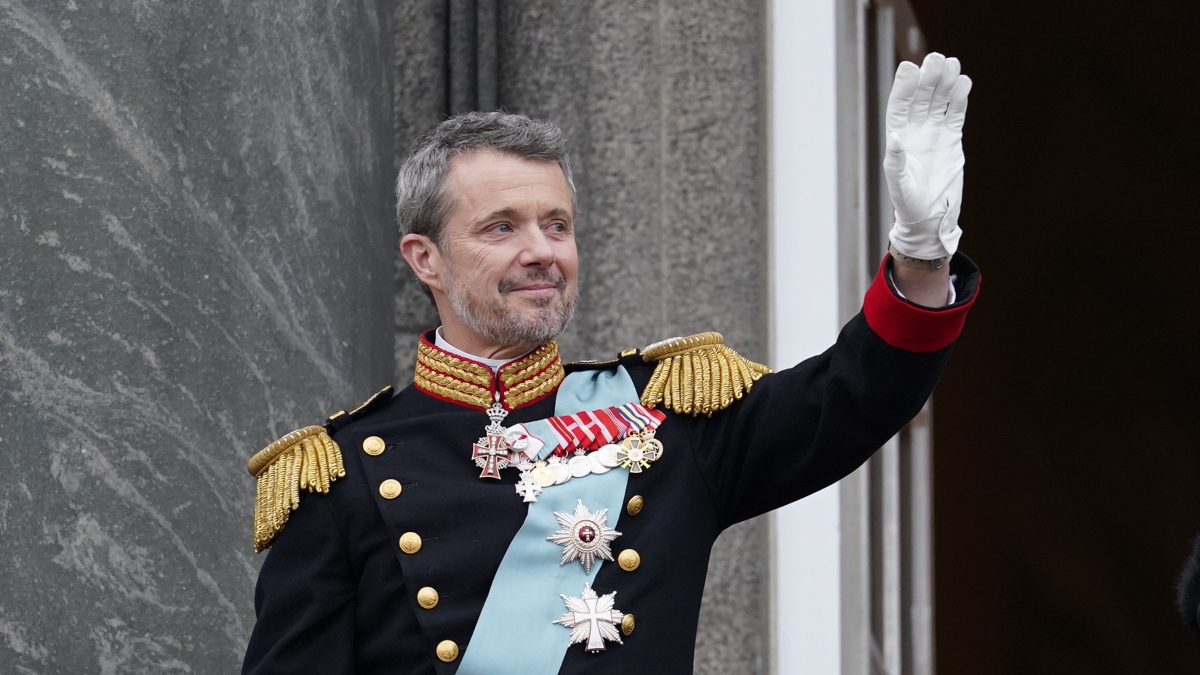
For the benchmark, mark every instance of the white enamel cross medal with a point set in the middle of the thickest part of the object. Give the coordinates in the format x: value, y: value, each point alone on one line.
x: 528, y: 486
x: 639, y: 450
x: 592, y: 618
x: 491, y: 452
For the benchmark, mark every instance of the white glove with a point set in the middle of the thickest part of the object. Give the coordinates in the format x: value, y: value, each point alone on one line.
x: 924, y: 160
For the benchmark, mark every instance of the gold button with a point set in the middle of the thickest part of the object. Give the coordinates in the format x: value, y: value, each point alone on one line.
x: 374, y: 446
x: 410, y: 542
x: 447, y: 650
x: 635, y: 505
x: 390, y: 488
x: 627, y: 624
x: 428, y: 598
x: 629, y: 352
x: 629, y: 560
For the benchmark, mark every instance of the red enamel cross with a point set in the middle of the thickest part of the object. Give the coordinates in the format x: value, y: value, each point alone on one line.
x: 494, y: 452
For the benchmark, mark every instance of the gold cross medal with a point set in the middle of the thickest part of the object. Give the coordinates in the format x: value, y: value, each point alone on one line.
x: 638, y: 450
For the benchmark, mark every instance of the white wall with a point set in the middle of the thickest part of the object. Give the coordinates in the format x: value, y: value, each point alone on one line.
x: 804, y: 309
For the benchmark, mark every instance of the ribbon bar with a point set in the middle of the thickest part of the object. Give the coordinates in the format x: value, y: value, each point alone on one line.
x: 587, y: 431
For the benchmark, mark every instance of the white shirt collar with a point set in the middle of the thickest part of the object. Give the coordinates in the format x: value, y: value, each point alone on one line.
x: 495, y: 364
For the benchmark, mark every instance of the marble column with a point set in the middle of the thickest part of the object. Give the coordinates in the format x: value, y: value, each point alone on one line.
x: 195, y: 258
x: 422, y: 94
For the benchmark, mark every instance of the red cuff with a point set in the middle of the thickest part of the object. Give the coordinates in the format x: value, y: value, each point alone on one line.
x: 906, y: 326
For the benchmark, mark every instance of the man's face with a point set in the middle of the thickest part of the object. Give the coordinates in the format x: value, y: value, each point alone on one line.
x: 510, y: 269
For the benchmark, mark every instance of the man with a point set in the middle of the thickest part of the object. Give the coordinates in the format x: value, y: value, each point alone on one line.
x: 509, y: 514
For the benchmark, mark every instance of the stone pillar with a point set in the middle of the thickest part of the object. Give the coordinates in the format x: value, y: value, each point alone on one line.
x: 421, y: 49
x: 663, y: 103
x: 195, y: 257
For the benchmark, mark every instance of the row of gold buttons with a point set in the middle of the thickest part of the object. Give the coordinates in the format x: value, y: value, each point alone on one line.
x: 629, y: 560
x: 410, y: 543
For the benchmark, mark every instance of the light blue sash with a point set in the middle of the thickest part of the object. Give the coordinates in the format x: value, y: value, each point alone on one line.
x: 516, y: 634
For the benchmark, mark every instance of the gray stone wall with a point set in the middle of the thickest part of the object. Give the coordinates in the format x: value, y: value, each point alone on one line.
x: 195, y: 257
x: 422, y: 71
x: 663, y: 105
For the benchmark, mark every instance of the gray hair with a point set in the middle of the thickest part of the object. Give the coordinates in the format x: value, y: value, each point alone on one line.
x: 422, y: 202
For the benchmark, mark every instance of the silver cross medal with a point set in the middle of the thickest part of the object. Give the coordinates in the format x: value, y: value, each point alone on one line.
x: 491, y: 452
x: 592, y: 618
x: 527, y: 486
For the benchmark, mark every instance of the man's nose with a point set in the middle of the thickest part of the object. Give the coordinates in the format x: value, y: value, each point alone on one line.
x: 537, y: 250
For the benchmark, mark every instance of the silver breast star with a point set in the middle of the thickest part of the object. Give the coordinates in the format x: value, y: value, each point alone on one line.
x: 584, y: 536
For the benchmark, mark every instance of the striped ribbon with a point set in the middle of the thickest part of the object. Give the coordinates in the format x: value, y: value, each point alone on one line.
x: 588, y: 430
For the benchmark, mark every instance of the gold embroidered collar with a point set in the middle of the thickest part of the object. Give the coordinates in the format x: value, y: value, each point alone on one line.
x: 460, y: 380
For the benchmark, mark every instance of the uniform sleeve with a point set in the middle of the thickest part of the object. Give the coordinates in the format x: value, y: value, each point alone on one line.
x: 806, y: 427
x: 304, y: 599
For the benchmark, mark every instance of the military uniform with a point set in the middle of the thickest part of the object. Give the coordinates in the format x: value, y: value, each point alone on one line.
x: 392, y: 569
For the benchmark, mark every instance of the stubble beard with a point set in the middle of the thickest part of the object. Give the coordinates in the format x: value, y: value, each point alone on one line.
x: 490, y: 317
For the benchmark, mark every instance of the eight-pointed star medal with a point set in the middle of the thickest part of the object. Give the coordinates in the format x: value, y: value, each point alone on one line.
x: 584, y: 536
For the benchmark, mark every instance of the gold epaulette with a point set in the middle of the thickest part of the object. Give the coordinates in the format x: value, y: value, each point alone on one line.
x: 304, y: 459
x: 698, y: 374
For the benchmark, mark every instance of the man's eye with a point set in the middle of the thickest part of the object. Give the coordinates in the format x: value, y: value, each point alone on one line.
x: 502, y: 227
x: 558, y: 226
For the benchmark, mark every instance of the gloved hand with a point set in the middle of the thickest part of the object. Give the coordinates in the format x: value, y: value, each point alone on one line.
x: 924, y: 159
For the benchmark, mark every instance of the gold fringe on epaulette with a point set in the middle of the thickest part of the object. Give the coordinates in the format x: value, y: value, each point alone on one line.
x: 698, y: 374
x: 304, y: 459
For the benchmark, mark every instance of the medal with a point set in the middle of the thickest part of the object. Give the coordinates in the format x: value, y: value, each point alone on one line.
x: 543, y: 474
x: 579, y: 466
x: 571, y: 446
x: 528, y: 486
x: 584, y: 536
x: 639, y: 450
x: 492, y: 452
x: 607, y: 456
x: 592, y: 618
x: 558, y: 467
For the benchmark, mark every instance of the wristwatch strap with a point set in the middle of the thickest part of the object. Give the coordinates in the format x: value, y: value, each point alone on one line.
x: 909, y: 261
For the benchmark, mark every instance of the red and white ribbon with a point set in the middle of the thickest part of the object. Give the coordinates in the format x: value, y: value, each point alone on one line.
x: 589, y: 430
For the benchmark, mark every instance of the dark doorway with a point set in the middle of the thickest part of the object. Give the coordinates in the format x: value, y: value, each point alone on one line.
x: 1067, y: 468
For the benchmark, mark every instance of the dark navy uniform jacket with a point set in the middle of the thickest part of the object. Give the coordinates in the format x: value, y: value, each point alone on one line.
x: 336, y: 595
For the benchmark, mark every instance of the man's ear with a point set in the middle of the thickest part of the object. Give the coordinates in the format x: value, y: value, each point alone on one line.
x: 423, y: 256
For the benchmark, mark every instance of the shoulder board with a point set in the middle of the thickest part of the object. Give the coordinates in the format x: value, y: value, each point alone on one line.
x: 698, y: 374
x: 306, y: 459
x: 574, y: 366
x: 341, y: 418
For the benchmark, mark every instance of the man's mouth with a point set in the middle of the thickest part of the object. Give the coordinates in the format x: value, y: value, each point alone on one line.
x: 537, y: 287
x: 537, y: 292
